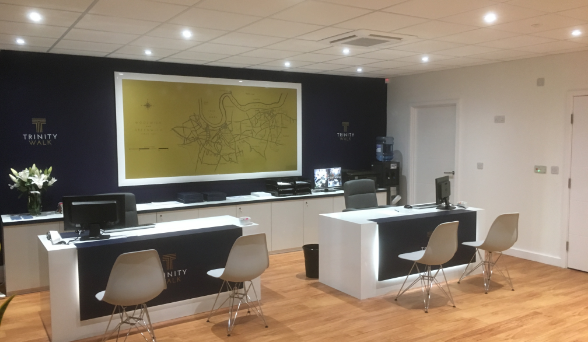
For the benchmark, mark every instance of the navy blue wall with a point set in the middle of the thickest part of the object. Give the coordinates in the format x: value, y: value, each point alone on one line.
x: 76, y: 96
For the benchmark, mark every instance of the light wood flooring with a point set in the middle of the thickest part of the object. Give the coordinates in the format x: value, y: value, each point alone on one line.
x: 548, y: 304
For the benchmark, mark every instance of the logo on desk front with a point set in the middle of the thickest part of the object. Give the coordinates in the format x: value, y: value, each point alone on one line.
x: 172, y: 276
x: 39, y: 137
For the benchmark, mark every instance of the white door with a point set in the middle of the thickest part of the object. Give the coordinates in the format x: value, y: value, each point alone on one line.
x: 434, y: 149
x: 578, y: 226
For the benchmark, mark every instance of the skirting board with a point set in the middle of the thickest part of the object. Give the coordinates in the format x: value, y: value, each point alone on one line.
x: 534, y: 256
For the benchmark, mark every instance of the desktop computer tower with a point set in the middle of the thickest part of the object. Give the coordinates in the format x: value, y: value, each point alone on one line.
x: 388, y: 173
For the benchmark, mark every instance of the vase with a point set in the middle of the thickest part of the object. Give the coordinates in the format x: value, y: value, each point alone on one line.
x: 34, y: 204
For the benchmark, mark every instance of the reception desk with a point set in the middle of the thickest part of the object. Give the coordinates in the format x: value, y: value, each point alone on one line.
x: 188, y: 250
x: 358, y: 250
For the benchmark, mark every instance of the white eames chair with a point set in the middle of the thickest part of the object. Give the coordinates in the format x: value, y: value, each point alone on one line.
x: 247, y: 260
x: 135, y: 279
x: 502, y: 235
x: 440, y: 249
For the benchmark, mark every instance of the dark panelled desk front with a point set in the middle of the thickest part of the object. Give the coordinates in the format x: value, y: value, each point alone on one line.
x: 409, y: 233
x: 186, y: 256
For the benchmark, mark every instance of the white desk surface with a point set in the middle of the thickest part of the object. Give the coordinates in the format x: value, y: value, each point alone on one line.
x: 365, y: 216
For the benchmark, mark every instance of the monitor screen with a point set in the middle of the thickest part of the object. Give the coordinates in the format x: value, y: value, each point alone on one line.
x: 327, y: 178
x: 88, y: 209
x: 442, y: 192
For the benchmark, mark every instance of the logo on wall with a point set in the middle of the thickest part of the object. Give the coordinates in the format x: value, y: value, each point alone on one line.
x: 39, y: 137
x: 345, y: 136
x: 172, y: 276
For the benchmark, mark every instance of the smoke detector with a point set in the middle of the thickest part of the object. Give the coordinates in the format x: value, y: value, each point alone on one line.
x: 367, y: 39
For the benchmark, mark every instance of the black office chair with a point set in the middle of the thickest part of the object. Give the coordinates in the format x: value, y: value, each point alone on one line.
x: 360, y: 194
x: 131, y: 219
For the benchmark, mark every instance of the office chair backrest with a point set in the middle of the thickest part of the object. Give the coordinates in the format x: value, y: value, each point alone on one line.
x: 503, y: 233
x: 360, y: 193
x: 247, y: 260
x: 131, y: 218
x: 442, y: 244
x: 136, y: 278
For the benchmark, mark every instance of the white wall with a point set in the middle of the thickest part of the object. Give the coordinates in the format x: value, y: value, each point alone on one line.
x: 536, y: 132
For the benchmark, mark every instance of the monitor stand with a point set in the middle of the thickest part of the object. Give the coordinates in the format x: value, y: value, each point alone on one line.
x: 445, y: 205
x: 94, y: 234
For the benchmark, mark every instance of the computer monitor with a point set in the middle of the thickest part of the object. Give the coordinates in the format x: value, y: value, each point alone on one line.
x: 94, y: 213
x: 442, y: 193
x: 328, y: 178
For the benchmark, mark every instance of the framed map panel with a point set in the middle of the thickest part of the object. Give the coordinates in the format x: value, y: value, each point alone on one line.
x: 176, y: 129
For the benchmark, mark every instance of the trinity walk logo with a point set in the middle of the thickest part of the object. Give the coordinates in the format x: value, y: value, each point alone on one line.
x: 172, y: 275
x: 345, y: 136
x: 40, y: 137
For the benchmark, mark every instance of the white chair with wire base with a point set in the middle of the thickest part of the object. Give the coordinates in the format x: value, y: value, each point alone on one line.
x: 502, y: 235
x: 135, y: 279
x: 440, y: 249
x: 247, y: 260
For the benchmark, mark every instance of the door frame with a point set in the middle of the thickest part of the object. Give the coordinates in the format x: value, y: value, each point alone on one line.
x: 567, y: 172
x: 411, y: 187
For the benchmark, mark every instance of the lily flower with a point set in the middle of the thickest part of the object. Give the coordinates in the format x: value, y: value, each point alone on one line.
x: 38, y: 180
x: 53, y: 180
x: 14, y: 178
x: 24, y: 175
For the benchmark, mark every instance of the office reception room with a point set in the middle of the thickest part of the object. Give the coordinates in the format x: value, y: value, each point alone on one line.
x: 515, y: 147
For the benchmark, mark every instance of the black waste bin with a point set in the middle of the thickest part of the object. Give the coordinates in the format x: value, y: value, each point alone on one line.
x: 311, y: 260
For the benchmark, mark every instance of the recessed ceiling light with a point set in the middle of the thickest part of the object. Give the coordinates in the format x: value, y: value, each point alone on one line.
x: 576, y: 33
x: 346, y: 51
x: 240, y: 81
x: 20, y: 41
x: 34, y: 16
x: 287, y: 64
x: 425, y: 59
x: 148, y: 52
x: 490, y: 17
x: 359, y: 69
x: 186, y: 33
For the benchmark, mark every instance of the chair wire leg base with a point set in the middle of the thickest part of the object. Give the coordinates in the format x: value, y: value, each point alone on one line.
x: 134, y: 320
x: 488, y: 265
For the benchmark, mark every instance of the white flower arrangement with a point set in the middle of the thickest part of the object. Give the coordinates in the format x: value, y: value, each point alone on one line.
x: 31, y: 179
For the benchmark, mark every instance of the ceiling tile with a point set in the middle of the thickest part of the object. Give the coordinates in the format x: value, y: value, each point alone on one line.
x: 267, y: 53
x: 32, y: 30
x: 578, y: 13
x: 337, y: 50
x: 389, y: 64
x: 369, y: 4
x: 424, y: 67
x: 428, y: 46
x: 435, y: 29
x: 175, y: 32
x: 68, y: 5
x: 50, y: 16
x: 551, y: 47
x: 563, y: 33
x: 539, y: 24
x: 199, y: 17
x: 433, y: 58
x: 435, y: 9
x: 156, y: 42
x: 324, y: 66
x: 100, y: 36
x: 297, y: 45
x: 140, y: 51
x: 320, y: 13
x: 246, y: 60
x: 22, y: 48
x: 503, y: 55
x: 228, y: 65
x: 505, y: 13
x: 549, y: 5
x: 246, y: 39
x: 279, y: 28
x: 262, y: 8
x: 514, y: 42
x: 461, y: 61
x: 78, y: 52
x: 183, y: 61
x: 364, y: 69
x: 357, y: 61
x: 179, y: 2
x: 87, y: 46
x: 280, y: 64
x: 478, y: 36
x: 380, y: 21
x: 324, y: 33
x: 220, y: 49
x: 200, y: 56
x: 114, y: 24
x: 137, y: 9
x: 9, y: 39
x: 132, y: 56
x: 467, y: 50
x: 386, y: 54
x: 313, y: 57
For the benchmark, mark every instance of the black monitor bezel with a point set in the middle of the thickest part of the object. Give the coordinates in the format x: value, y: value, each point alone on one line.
x: 68, y: 225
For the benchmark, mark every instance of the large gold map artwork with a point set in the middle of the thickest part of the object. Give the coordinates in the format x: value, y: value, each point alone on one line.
x: 176, y: 129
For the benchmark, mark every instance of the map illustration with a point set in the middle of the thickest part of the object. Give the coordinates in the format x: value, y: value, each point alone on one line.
x: 181, y: 129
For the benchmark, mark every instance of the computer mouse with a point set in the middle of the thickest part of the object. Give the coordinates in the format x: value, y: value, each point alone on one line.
x: 408, y: 206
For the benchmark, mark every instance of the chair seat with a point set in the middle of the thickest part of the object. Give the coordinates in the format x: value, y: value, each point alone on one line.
x: 473, y: 243
x: 100, y: 295
x: 217, y: 273
x: 412, y: 256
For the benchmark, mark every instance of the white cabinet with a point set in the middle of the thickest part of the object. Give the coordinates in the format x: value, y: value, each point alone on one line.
x: 147, y: 218
x: 230, y: 210
x: 260, y: 213
x: 177, y: 215
x: 287, y: 224
x: 338, y: 204
x: 312, y: 209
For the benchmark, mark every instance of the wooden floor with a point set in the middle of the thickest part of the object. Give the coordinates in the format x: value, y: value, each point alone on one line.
x: 549, y: 304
